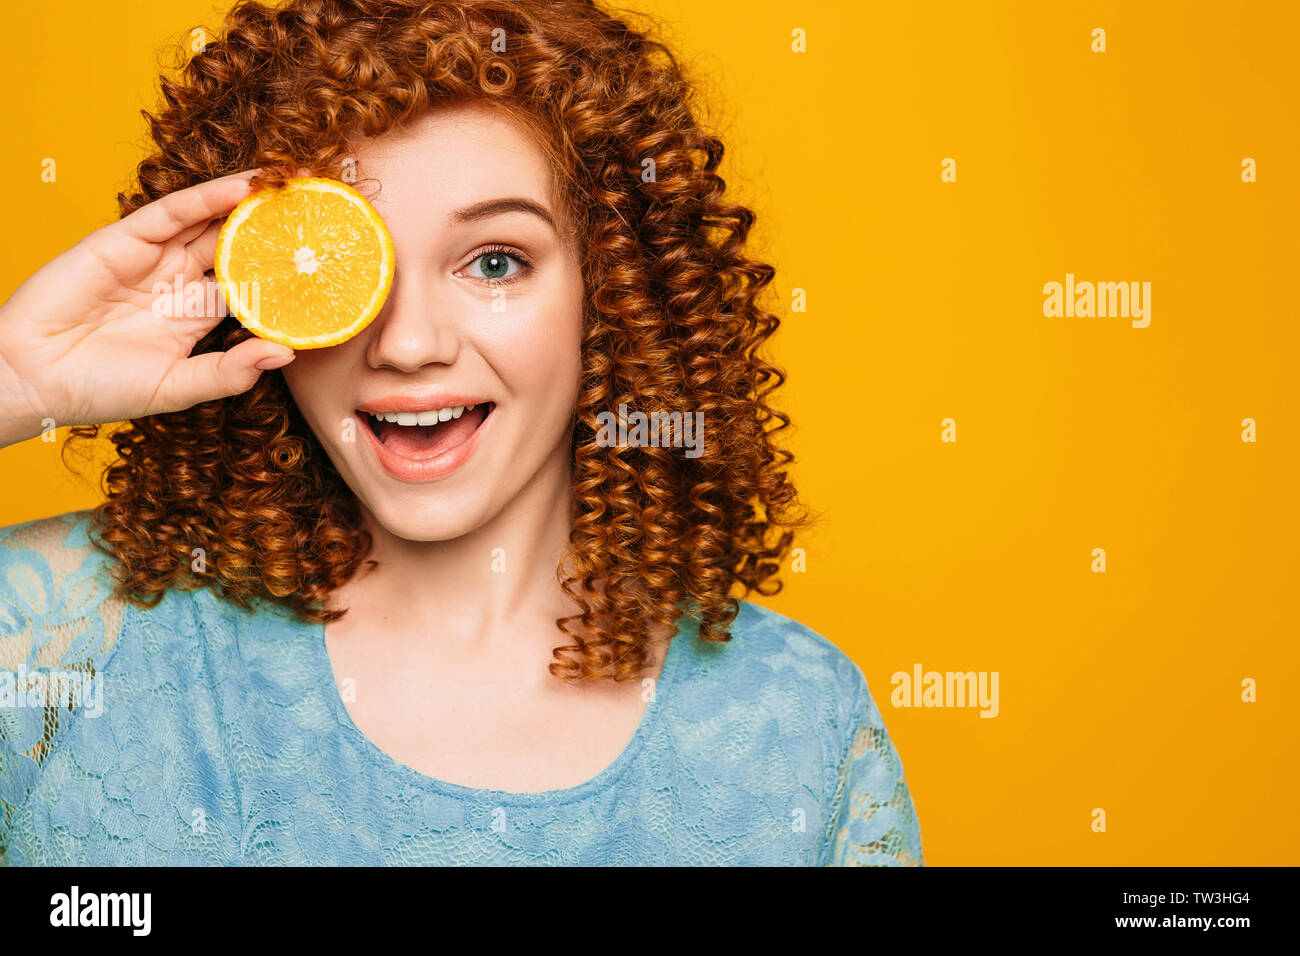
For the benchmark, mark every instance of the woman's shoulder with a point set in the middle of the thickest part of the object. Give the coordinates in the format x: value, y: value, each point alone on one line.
x: 780, y: 710
x: 782, y: 670
x: 59, y: 625
x: 60, y: 609
x: 57, y: 604
x: 770, y: 649
x: 65, y: 633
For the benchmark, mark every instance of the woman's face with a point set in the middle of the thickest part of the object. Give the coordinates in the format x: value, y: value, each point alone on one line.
x: 485, y: 310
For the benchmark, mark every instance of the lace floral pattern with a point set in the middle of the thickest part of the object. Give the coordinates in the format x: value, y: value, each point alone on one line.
x: 220, y: 738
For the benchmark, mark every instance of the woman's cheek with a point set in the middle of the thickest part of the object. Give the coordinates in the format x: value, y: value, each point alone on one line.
x: 313, y: 379
x: 540, y: 350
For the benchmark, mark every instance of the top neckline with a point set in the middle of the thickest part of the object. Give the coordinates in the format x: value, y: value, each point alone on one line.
x: 325, y: 681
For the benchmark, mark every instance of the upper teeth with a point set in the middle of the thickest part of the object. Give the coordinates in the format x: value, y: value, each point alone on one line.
x: 431, y: 417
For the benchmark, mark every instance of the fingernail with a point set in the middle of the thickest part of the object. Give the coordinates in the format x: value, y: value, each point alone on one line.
x: 275, y: 361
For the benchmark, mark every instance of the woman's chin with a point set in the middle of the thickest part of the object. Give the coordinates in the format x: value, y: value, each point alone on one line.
x: 432, y: 519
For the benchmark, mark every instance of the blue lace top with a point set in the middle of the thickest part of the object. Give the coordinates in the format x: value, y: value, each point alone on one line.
x: 198, y: 733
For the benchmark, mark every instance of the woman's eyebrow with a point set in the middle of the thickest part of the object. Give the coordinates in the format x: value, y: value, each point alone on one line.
x: 495, y: 207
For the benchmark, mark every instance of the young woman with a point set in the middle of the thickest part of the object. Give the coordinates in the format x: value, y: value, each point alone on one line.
x: 296, y: 632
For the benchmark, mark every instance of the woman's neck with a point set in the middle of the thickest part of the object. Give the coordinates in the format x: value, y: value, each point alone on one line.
x: 497, y: 579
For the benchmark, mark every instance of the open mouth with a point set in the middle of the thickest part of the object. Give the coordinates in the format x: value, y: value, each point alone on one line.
x: 422, y: 436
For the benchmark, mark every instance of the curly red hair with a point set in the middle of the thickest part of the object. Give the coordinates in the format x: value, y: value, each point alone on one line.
x: 671, y: 319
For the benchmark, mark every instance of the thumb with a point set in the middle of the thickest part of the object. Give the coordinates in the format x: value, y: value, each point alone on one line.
x: 213, y: 375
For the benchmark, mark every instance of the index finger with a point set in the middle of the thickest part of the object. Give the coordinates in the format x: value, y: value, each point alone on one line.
x: 164, y: 218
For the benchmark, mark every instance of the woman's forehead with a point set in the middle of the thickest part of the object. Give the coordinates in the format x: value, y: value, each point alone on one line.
x: 451, y: 157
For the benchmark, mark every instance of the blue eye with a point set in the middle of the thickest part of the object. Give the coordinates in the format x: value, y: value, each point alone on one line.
x: 495, y: 266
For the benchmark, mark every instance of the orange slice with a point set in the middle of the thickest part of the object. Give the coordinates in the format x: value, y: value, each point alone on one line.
x: 307, y: 265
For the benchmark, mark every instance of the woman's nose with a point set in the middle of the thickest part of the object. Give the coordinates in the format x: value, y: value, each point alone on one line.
x: 412, y: 331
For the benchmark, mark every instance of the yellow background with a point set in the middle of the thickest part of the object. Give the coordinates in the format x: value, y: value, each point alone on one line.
x: 1119, y: 690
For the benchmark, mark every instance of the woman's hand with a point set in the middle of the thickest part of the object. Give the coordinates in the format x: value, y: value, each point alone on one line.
x: 89, y: 339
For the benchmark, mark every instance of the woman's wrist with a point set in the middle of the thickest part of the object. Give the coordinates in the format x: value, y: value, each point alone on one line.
x: 18, y: 421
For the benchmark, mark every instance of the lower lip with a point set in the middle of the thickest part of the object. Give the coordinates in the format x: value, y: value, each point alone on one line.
x: 426, y: 469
